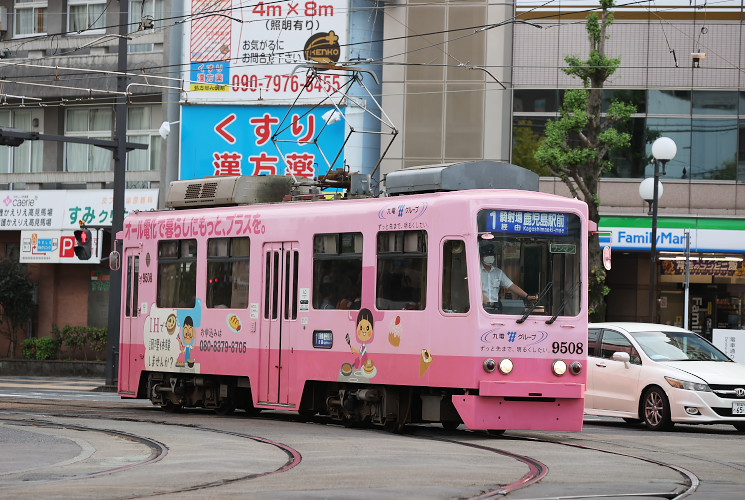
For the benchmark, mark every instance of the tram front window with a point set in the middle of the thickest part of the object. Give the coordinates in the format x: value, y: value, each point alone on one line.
x: 530, y: 262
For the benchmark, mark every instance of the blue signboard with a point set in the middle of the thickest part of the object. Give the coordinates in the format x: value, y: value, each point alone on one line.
x: 210, y: 76
x: 514, y: 221
x: 237, y: 140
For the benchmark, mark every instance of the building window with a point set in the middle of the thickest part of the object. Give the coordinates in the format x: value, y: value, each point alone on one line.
x: 86, y: 15
x: 402, y: 270
x: 227, y: 273
x: 139, y: 10
x: 30, y: 17
x: 177, y: 273
x: 98, y: 123
x: 28, y: 156
x: 337, y: 271
x: 140, y: 129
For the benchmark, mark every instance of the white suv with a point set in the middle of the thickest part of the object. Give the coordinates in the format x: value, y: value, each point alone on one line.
x: 661, y: 374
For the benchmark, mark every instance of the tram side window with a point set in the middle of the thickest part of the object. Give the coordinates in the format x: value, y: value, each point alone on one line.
x: 177, y: 273
x: 337, y: 271
x: 227, y: 272
x: 402, y: 270
x: 454, y: 277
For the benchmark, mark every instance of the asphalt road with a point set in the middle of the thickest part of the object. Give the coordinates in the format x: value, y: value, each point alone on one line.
x: 61, y: 439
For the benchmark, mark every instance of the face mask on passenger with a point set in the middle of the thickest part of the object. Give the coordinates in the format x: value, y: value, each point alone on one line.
x: 489, y: 260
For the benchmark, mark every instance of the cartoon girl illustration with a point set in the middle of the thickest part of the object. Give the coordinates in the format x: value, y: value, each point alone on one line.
x: 365, y: 334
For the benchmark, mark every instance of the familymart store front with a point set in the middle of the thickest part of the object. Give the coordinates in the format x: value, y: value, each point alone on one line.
x: 716, y: 277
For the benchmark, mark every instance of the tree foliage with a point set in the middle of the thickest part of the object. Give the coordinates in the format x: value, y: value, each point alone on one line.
x: 578, y: 143
x: 16, y: 302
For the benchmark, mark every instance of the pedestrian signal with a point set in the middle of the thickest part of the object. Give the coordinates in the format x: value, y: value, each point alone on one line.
x: 83, y: 244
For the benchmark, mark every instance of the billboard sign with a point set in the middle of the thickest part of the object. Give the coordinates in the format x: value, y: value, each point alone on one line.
x: 63, y: 209
x: 241, y: 52
x: 56, y: 247
x: 237, y: 140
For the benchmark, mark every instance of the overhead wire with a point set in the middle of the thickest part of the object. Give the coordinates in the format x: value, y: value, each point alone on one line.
x: 178, y: 67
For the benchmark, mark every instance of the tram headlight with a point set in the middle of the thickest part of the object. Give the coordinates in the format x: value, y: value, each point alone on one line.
x: 559, y: 367
x: 506, y: 365
x: 489, y: 365
x: 575, y: 368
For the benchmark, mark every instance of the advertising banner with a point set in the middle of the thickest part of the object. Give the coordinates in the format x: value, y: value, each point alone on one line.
x: 248, y: 52
x: 731, y: 343
x: 56, y: 247
x: 237, y: 140
x: 63, y: 209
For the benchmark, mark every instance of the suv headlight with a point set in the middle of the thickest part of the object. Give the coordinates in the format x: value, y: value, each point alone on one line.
x: 688, y: 386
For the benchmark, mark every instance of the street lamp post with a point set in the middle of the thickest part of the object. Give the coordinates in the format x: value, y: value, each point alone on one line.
x: 663, y: 150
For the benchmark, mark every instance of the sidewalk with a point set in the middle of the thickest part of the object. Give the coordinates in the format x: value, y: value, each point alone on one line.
x: 53, y: 383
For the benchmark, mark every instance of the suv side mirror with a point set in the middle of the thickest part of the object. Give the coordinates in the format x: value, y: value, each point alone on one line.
x: 622, y: 356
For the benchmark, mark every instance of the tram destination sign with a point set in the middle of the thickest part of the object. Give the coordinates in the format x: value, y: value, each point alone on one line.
x: 526, y: 222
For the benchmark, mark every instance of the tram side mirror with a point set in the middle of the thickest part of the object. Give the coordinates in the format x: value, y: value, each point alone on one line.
x: 115, y: 260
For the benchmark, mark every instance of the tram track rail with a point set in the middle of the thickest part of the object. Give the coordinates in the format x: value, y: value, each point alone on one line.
x: 537, y: 470
x: 158, y: 450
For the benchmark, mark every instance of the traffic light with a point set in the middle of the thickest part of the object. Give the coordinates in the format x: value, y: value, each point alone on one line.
x: 83, y: 243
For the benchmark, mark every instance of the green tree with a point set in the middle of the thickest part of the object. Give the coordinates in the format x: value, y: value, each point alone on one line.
x: 578, y: 143
x: 526, y: 143
x: 16, y: 301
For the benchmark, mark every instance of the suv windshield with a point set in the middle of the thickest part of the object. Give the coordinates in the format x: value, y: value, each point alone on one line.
x: 534, y: 254
x: 677, y: 346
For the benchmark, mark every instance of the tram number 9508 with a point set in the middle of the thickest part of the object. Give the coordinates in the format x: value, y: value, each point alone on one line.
x: 568, y: 347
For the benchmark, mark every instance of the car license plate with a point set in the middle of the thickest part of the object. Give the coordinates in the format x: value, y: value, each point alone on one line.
x: 738, y: 408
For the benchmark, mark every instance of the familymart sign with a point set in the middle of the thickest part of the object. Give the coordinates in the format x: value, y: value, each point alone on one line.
x: 706, y: 235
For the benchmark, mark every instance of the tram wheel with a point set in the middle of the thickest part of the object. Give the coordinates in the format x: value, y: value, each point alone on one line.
x: 227, y: 407
x: 450, y: 425
x: 394, y: 426
x: 633, y: 421
x: 170, y: 407
x: 495, y: 432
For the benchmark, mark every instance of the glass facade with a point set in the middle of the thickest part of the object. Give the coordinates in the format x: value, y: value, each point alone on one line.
x: 708, y: 127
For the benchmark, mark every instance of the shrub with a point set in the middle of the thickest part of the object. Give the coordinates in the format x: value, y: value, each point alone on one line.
x: 39, y: 348
x: 77, y: 338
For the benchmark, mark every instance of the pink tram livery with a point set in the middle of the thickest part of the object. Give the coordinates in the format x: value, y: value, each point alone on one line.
x: 451, y: 299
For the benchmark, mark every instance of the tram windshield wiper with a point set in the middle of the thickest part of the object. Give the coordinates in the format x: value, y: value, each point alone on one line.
x: 530, y: 309
x: 563, y: 303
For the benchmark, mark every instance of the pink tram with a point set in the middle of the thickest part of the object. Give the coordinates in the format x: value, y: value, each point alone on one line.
x: 375, y: 310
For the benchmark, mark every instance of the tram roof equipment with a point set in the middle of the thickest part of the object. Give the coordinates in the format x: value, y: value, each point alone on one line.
x: 459, y: 176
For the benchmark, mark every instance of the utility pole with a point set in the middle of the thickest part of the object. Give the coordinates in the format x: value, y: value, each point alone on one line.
x: 117, y: 223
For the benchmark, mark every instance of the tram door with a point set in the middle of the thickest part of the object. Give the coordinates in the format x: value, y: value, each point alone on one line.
x: 279, y: 313
x: 131, y: 315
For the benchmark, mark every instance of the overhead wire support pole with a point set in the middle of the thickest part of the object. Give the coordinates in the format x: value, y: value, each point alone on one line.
x: 117, y: 223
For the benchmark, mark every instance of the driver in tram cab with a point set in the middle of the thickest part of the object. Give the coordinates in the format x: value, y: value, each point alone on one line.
x: 493, y: 278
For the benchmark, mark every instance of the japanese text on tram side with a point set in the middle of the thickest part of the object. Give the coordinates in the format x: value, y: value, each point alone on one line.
x: 183, y: 227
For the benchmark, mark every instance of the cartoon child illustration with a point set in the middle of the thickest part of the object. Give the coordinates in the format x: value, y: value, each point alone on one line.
x: 365, y: 334
x: 187, y: 343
